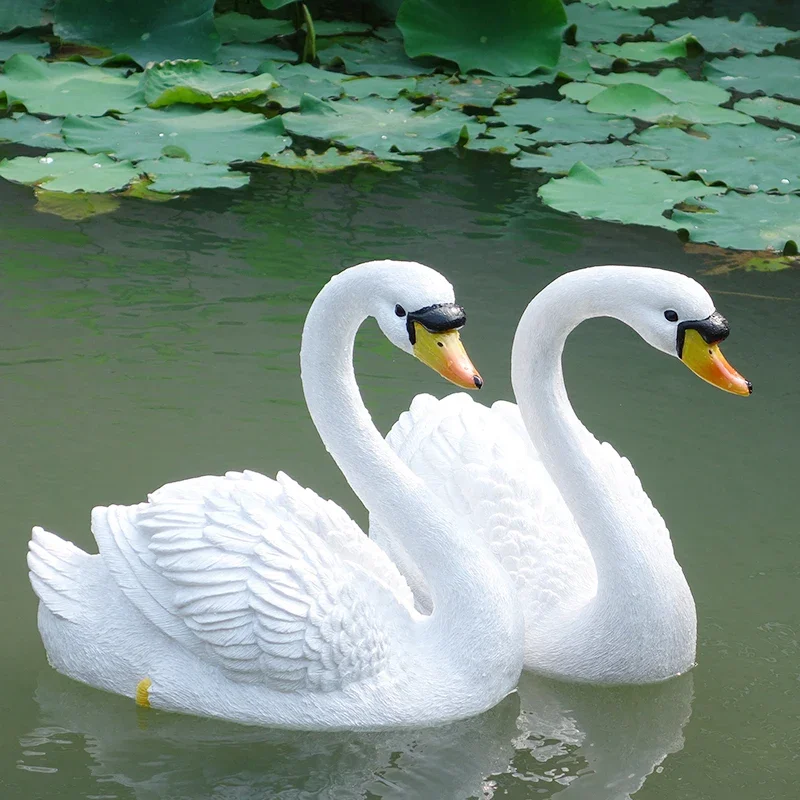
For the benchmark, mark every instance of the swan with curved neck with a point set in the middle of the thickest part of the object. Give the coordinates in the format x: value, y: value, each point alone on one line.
x: 254, y: 600
x: 605, y: 599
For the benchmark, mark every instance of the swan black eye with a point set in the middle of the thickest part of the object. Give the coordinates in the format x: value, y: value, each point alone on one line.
x: 400, y: 311
x: 671, y: 315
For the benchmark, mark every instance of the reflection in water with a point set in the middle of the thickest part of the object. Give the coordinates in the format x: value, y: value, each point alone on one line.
x: 578, y: 742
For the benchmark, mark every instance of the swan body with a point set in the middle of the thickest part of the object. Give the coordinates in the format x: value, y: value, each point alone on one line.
x: 254, y: 600
x: 605, y: 600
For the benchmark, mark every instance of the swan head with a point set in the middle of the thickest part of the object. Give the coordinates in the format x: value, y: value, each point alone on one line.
x: 676, y: 315
x: 415, y: 307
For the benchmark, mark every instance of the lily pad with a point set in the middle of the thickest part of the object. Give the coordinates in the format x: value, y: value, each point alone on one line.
x: 208, y: 136
x: 776, y: 75
x: 751, y: 158
x: 388, y: 88
x: 719, y: 35
x: 673, y: 83
x: 563, y: 121
x: 580, y: 61
x: 24, y: 43
x: 745, y: 222
x: 476, y: 92
x: 23, y: 14
x: 195, y: 83
x: 559, y: 159
x: 69, y: 172
x: 295, y: 80
x: 373, y: 56
x: 509, y: 38
x: 146, y: 30
x: 632, y: 100
x: 331, y: 160
x: 580, y: 92
x: 171, y: 175
x: 234, y: 27
x: 770, y: 108
x: 651, y: 51
x: 636, y: 3
x: 602, y: 23
x: 501, y: 139
x: 634, y: 195
x: 32, y: 131
x: 338, y: 27
x: 382, y: 126
x: 67, y: 87
x: 75, y: 206
x: 250, y: 57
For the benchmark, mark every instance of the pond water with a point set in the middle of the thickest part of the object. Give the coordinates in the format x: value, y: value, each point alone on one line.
x: 160, y: 342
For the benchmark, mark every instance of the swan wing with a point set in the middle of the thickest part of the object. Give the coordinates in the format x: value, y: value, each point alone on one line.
x: 482, y: 463
x: 240, y: 569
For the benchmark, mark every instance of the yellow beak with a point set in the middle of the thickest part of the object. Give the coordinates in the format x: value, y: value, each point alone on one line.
x: 444, y: 353
x: 706, y: 361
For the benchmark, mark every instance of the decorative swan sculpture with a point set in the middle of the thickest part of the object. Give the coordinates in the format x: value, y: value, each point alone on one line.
x: 256, y: 601
x: 604, y: 599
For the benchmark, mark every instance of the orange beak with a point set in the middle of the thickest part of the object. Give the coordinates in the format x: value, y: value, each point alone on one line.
x: 706, y: 361
x: 444, y: 353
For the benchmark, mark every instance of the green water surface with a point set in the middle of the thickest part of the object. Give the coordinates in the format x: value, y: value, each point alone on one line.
x: 161, y: 342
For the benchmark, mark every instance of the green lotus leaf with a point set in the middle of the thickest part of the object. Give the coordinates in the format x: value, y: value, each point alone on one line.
x: 340, y: 28
x: 745, y: 222
x: 272, y: 5
x: 580, y: 92
x: 577, y: 62
x: 559, y: 159
x: 69, y: 172
x: 295, y: 80
x: 641, y: 102
x: 719, y: 35
x: 602, y: 23
x: 172, y: 175
x: 373, y: 56
x: 32, y: 131
x: 67, y: 87
x: 75, y: 206
x: 210, y: 136
x: 331, y: 160
x: 776, y: 75
x: 23, y: 14
x: 770, y: 108
x: 457, y: 93
x: 510, y: 38
x: 563, y: 121
x: 250, y: 57
x: 506, y: 139
x: 196, y: 83
x: 146, y: 30
x: 634, y: 195
x: 628, y: 4
x: 24, y: 43
x: 752, y: 157
x: 651, y: 51
x: 673, y: 83
x: 381, y: 126
x: 388, y: 88
x: 234, y: 27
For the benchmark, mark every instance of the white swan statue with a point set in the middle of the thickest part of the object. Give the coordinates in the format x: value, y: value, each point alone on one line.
x: 604, y: 598
x: 254, y: 600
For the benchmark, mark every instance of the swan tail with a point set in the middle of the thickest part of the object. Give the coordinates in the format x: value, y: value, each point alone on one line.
x: 55, y: 568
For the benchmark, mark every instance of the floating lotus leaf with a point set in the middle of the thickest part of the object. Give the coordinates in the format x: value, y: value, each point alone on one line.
x: 336, y: 27
x: 751, y: 158
x: 68, y: 87
x: 505, y: 139
x: 24, y: 43
x: 295, y: 80
x: 32, y: 131
x: 719, y: 35
x: 194, y: 82
x: 602, y: 23
x: 271, y: 5
x: 250, y: 57
x: 75, y: 206
x: 635, y: 3
x: 509, y: 38
x: 576, y: 63
x: 388, y: 88
x: 234, y: 27
x: 651, y: 51
x: 635, y: 195
x: 172, y: 175
x: 69, y: 172
x: 750, y: 74
x: 331, y: 160
x: 205, y: 136
x: 381, y: 126
x: 559, y: 159
x: 23, y: 14
x: 632, y: 100
x: 745, y: 222
x: 444, y: 90
x: 563, y: 121
x: 770, y: 108
x: 580, y: 92
x: 673, y: 83
x: 374, y: 57
x: 146, y: 30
